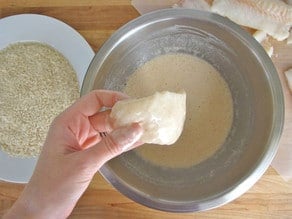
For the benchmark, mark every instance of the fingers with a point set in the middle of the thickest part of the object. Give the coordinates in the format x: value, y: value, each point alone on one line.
x: 117, y: 142
x: 91, y: 141
x: 91, y: 103
x: 101, y: 121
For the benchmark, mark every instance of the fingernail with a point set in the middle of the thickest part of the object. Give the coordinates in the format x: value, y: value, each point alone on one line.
x: 127, y: 136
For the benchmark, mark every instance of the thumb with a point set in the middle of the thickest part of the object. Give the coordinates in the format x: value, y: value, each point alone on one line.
x: 115, y: 143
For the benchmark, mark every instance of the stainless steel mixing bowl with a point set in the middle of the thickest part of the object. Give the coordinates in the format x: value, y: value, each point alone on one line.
x: 256, y: 93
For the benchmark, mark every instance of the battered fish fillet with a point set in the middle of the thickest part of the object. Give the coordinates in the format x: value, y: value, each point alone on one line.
x: 161, y: 116
x: 271, y: 16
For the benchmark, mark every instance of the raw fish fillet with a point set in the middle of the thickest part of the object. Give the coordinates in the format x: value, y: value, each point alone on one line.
x: 271, y: 16
x: 194, y: 4
x: 288, y: 75
x: 268, y: 47
x: 263, y: 39
x: 145, y: 6
x: 260, y: 35
x: 289, y: 39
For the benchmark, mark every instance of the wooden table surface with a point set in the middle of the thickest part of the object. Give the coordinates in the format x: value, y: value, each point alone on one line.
x: 96, y: 20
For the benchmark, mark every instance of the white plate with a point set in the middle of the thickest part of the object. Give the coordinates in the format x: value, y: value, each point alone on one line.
x: 32, y: 27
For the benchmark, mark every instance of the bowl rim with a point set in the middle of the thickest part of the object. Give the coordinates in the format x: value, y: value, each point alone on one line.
x: 277, y: 121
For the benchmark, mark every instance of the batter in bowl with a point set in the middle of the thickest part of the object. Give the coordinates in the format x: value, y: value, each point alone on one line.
x: 209, y: 107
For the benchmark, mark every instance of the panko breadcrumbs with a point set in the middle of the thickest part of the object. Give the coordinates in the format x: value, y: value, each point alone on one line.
x: 36, y: 84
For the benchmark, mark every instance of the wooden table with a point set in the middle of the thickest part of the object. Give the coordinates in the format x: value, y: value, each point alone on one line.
x: 96, y: 20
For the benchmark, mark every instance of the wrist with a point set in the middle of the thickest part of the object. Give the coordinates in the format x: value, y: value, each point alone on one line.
x: 21, y: 209
x: 33, y: 205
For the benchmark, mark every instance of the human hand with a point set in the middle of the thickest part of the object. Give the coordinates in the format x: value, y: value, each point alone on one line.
x: 72, y: 153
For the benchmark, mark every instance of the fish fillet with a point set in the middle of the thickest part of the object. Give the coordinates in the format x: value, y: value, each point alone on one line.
x: 194, y: 4
x: 145, y: 6
x: 271, y: 16
x: 161, y: 116
x: 289, y: 39
x: 268, y: 47
x: 263, y: 39
x: 260, y: 35
x: 288, y: 75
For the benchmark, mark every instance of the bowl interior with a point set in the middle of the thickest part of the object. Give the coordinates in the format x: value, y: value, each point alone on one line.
x: 241, y: 62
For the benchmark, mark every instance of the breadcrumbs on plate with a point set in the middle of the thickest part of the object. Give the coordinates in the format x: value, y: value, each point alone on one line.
x: 36, y: 84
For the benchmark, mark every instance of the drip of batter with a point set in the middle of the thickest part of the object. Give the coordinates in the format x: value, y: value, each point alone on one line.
x: 209, y: 107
